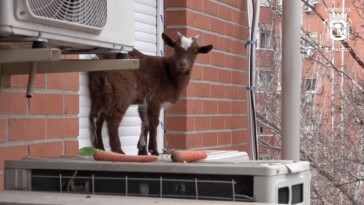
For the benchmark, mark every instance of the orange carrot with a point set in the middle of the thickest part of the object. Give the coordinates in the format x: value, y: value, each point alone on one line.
x: 101, y: 155
x: 188, y: 155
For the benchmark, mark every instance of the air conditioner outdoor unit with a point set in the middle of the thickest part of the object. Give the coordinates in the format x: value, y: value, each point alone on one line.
x: 69, y: 24
x: 224, y: 175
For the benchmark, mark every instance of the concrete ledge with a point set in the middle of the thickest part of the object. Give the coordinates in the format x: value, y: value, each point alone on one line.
x: 43, y: 198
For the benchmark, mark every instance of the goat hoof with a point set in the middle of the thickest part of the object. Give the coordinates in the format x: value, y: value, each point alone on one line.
x: 156, y: 153
x: 142, y: 152
x: 118, y: 151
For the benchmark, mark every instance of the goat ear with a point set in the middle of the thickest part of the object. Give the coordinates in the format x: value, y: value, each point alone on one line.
x: 167, y: 40
x: 205, y: 49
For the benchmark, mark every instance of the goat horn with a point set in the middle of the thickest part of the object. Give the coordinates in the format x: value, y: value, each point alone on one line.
x: 195, y: 37
x: 179, y: 34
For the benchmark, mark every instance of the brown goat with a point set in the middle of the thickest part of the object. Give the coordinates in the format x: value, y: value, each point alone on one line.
x: 158, y: 80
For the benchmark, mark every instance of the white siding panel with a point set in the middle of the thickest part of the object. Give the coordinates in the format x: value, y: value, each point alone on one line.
x: 146, y: 37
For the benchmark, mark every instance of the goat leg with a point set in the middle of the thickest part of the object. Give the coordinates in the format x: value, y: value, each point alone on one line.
x: 153, y: 117
x: 96, y: 128
x: 113, y: 120
x: 100, y: 121
x: 142, y: 143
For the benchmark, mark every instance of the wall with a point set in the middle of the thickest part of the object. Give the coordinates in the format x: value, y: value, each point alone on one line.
x: 44, y: 126
x: 212, y: 113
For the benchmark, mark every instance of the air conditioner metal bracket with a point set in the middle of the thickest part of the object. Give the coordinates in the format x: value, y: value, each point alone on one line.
x: 49, y: 60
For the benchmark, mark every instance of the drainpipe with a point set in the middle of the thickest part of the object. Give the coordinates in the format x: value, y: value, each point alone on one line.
x: 253, y: 19
x: 291, y: 80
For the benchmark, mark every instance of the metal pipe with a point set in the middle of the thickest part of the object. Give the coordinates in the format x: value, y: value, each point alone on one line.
x: 30, y: 87
x: 253, y: 19
x: 291, y: 79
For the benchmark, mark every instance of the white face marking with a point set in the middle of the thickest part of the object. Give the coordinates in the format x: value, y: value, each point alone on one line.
x: 186, y: 42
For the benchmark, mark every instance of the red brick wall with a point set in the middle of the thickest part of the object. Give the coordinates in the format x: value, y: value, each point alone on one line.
x: 212, y: 113
x: 45, y: 126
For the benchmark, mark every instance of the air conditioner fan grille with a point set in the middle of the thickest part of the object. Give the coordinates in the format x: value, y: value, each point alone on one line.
x: 91, y: 13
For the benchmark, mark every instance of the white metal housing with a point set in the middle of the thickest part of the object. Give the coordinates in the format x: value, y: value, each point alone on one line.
x: 284, y: 182
x: 78, y: 24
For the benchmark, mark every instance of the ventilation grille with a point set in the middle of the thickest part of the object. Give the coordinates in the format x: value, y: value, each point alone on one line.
x: 92, y: 13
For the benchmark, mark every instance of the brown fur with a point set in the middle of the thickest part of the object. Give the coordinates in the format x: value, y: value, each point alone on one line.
x: 158, y: 80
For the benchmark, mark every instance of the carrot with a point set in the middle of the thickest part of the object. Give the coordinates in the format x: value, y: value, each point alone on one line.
x: 188, y: 155
x: 101, y: 155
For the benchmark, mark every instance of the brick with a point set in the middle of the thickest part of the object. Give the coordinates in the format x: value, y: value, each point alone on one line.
x: 230, y: 123
x: 239, y: 122
x: 12, y: 152
x: 13, y: 103
x: 217, y: 58
x: 47, y: 149
x: 234, y: 3
x: 239, y: 78
x: 204, y: 58
x: 224, y: 76
x: 202, y: 122
x: 175, y: 141
x: 218, y: 26
x: 179, y: 108
x: 194, y: 140
x: 46, y: 104
x: 194, y: 5
x: 202, y: 21
x: 217, y: 122
x: 71, y: 148
x: 202, y: 89
x: 232, y: 30
x: 210, y: 73
x: 243, y: 5
x: 237, y: 48
x: 231, y: 61
x: 228, y: 43
x: 224, y: 12
x: 239, y: 107
x: 224, y: 138
x: 62, y: 127
x: 217, y: 91
x: 239, y: 17
x: 179, y: 18
x: 210, y: 7
x: 242, y: 93
x: 190, y: 89
x: 239, y: 137
x: 64, y: 81
x: 22, y: 81
x: 179, y: 123
x: 174, y: 3
x: 224, y: 107
x: 209, y: 39
x: 26, y: 129
x: 209, y: 139
x: 209, y: 107
x: 197, y: 72
x: 194, y: 106
x: 231, y: 92
x: 71, y: 104
x: 3, y: 130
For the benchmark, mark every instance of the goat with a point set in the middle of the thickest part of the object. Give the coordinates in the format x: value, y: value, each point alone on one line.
x: 158, y: 80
